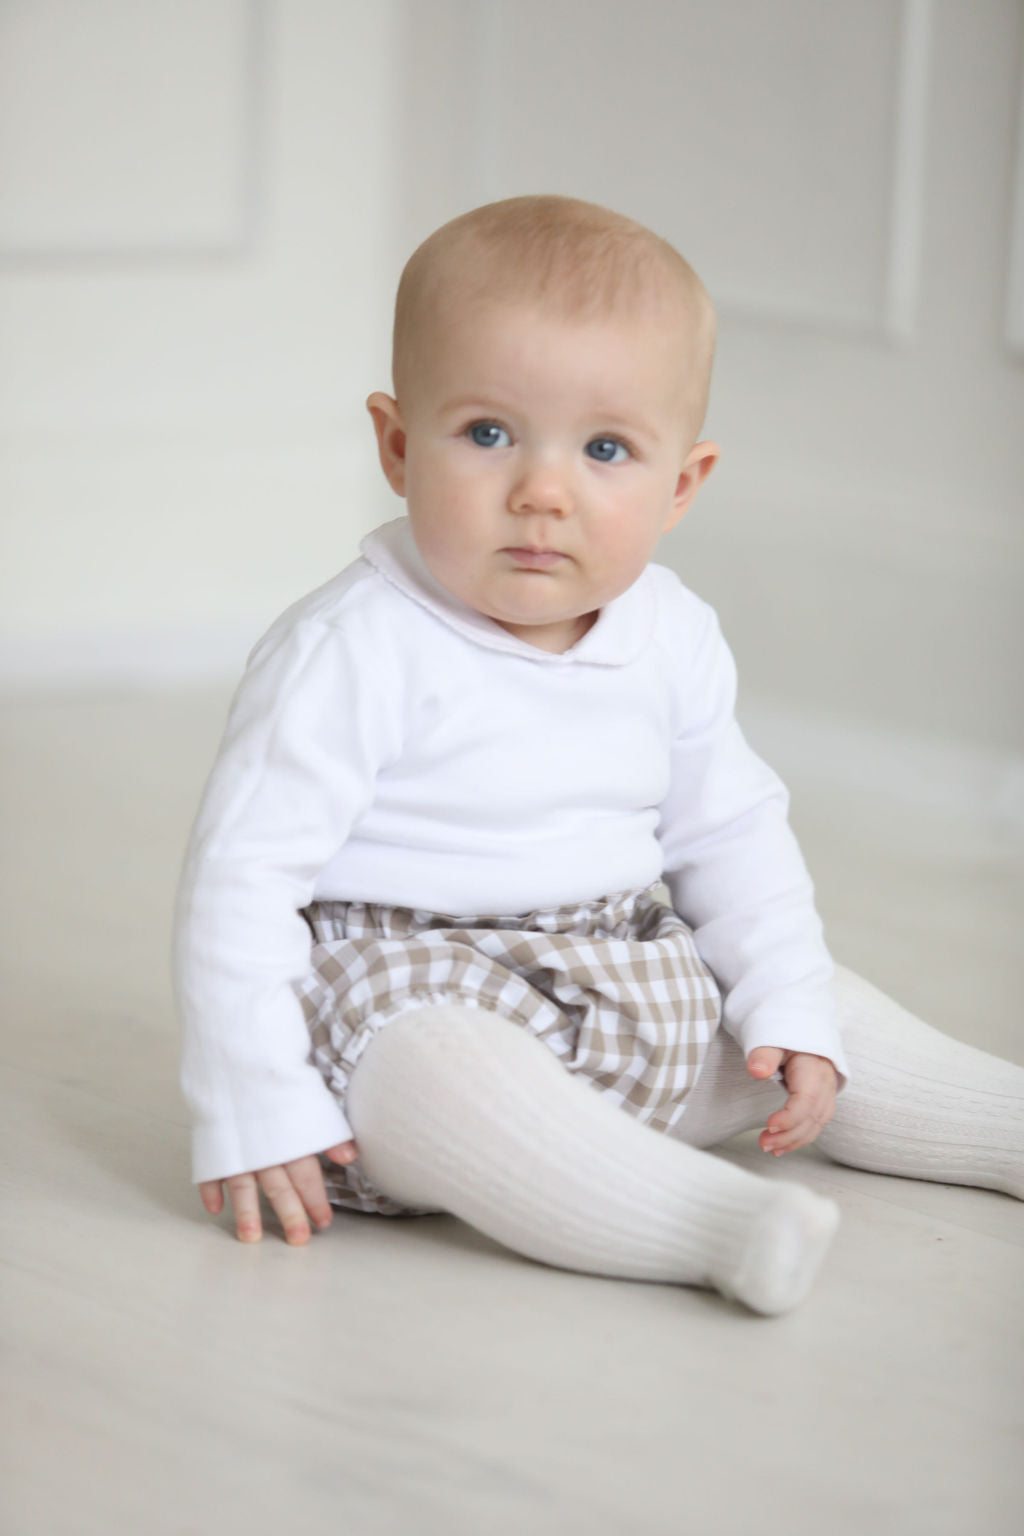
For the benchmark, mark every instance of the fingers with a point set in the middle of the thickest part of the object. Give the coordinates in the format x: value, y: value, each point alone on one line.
x: 245, y: 1202
x: 283, y: 1196
x: 802, y: 1126
x: 293, y: 1190
x: 765, y: 1061
x: 808, y: 1109
x: 306, y: 1177
x: 212, y: 1196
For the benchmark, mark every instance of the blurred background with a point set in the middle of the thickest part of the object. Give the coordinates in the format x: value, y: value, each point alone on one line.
x: 204, y: 209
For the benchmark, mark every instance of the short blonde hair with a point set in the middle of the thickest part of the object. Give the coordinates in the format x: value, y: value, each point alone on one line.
x: 581, y: 259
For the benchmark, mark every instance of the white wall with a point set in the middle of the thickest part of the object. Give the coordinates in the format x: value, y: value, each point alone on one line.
x: 203, y: 212
x: 845, y: 177
x: 186, y: 352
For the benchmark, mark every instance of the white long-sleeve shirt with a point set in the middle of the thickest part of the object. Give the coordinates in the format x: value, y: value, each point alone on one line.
x: 390, y: 744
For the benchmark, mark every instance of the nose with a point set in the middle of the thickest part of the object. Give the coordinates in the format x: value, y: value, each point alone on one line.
x: 541, y: 486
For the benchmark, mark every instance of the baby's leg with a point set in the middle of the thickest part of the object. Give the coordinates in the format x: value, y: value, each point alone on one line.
x: 920, y: 1104
x: 456, y: 1108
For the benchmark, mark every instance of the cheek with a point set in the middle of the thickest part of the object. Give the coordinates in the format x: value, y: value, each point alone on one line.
x: 437, y: 511
x: 627, y: 543
x: 441, y: 480
x: 624, y: 542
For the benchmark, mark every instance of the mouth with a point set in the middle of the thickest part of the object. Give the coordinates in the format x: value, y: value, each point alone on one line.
x: 534, y: 559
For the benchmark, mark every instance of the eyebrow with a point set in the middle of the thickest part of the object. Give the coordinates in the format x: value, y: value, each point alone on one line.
x: 463, y: 403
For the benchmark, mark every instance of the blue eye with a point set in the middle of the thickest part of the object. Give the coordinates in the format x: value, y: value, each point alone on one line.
x: 607, y: 450
x: 487, y: 434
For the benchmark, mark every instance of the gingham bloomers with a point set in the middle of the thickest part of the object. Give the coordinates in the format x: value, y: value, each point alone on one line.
x: 393, y: 750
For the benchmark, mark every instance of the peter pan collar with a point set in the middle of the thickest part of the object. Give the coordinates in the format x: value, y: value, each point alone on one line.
x: 623, y: 628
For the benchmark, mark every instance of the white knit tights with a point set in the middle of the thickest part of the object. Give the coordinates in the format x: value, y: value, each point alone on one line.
x: 455, y: 1108
x: 919, y: 1103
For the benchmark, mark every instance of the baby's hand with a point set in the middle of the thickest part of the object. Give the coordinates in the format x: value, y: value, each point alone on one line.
x: 812, y: 1083
x: 292, y: 1189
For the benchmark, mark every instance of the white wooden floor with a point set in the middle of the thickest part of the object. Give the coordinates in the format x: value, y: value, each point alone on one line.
x: 410, y: 1376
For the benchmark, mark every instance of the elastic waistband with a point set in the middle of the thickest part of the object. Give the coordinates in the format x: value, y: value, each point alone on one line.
x: 613, y: 916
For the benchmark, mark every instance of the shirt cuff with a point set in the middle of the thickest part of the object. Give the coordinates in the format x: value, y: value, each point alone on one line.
x: 221, y: 1150
x: 812, y: 1039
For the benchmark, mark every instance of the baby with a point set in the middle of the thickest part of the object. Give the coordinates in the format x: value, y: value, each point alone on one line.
x: 420, y: 959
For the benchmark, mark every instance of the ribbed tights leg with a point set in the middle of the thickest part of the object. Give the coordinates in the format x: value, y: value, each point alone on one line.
x: 920, y: 1104
x: 458, y: 1109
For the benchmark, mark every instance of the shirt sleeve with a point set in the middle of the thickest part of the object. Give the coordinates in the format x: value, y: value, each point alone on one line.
x: 736, y: 875
x: 309, y: 728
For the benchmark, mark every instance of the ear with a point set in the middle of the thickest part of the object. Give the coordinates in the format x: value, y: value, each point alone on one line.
x: 387, y: 421
x: 700, y: 461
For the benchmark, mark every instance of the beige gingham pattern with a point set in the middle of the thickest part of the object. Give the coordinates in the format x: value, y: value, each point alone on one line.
x: 614, y: 987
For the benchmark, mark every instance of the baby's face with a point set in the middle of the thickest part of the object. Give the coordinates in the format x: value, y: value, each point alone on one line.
x: 536, y: 434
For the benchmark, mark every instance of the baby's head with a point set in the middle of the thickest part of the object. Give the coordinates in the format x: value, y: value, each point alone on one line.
x: 570, y: 260
x: 552, y: 362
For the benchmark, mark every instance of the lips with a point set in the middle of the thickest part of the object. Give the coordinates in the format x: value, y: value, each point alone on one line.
x: 535, y: 559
